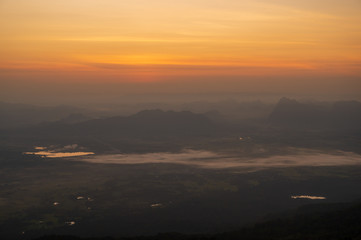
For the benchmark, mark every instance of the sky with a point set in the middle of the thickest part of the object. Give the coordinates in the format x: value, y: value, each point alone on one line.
x: 107, y: 47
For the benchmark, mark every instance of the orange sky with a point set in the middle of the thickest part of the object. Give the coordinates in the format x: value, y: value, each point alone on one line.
x: 168, y: 41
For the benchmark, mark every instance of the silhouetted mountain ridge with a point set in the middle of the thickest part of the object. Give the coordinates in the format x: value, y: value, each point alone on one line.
x: 17, y: 115
x: 151, y: 122
x: 291, y: 113
x: 74, y: 118
x: 144, y: 124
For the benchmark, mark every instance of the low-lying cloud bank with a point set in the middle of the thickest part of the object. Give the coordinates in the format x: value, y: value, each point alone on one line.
x: 207, y: 159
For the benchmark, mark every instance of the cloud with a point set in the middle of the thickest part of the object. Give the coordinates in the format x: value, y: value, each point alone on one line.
x: 206, y: 159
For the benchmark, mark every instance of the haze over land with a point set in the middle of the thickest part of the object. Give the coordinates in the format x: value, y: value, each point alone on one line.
x: 228, y: 119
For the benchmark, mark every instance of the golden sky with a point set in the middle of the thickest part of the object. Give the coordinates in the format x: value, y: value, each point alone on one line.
x: 189, y: 40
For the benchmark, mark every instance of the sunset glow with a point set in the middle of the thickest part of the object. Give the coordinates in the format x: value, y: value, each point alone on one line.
x: 166, y: 41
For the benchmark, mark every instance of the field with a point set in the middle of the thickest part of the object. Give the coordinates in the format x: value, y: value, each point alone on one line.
x: 46, y: 196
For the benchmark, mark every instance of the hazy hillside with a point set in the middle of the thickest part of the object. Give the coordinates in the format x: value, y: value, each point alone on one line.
x: 291, y: 113
x: 145, y: 124
x: 18, y: 115
x: 150, y: 122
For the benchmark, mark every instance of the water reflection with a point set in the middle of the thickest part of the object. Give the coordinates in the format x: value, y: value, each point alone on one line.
x: 308, y: 197
x: 51, y: 154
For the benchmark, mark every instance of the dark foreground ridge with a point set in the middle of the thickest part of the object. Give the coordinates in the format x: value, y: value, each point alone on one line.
x: 321, y: 221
